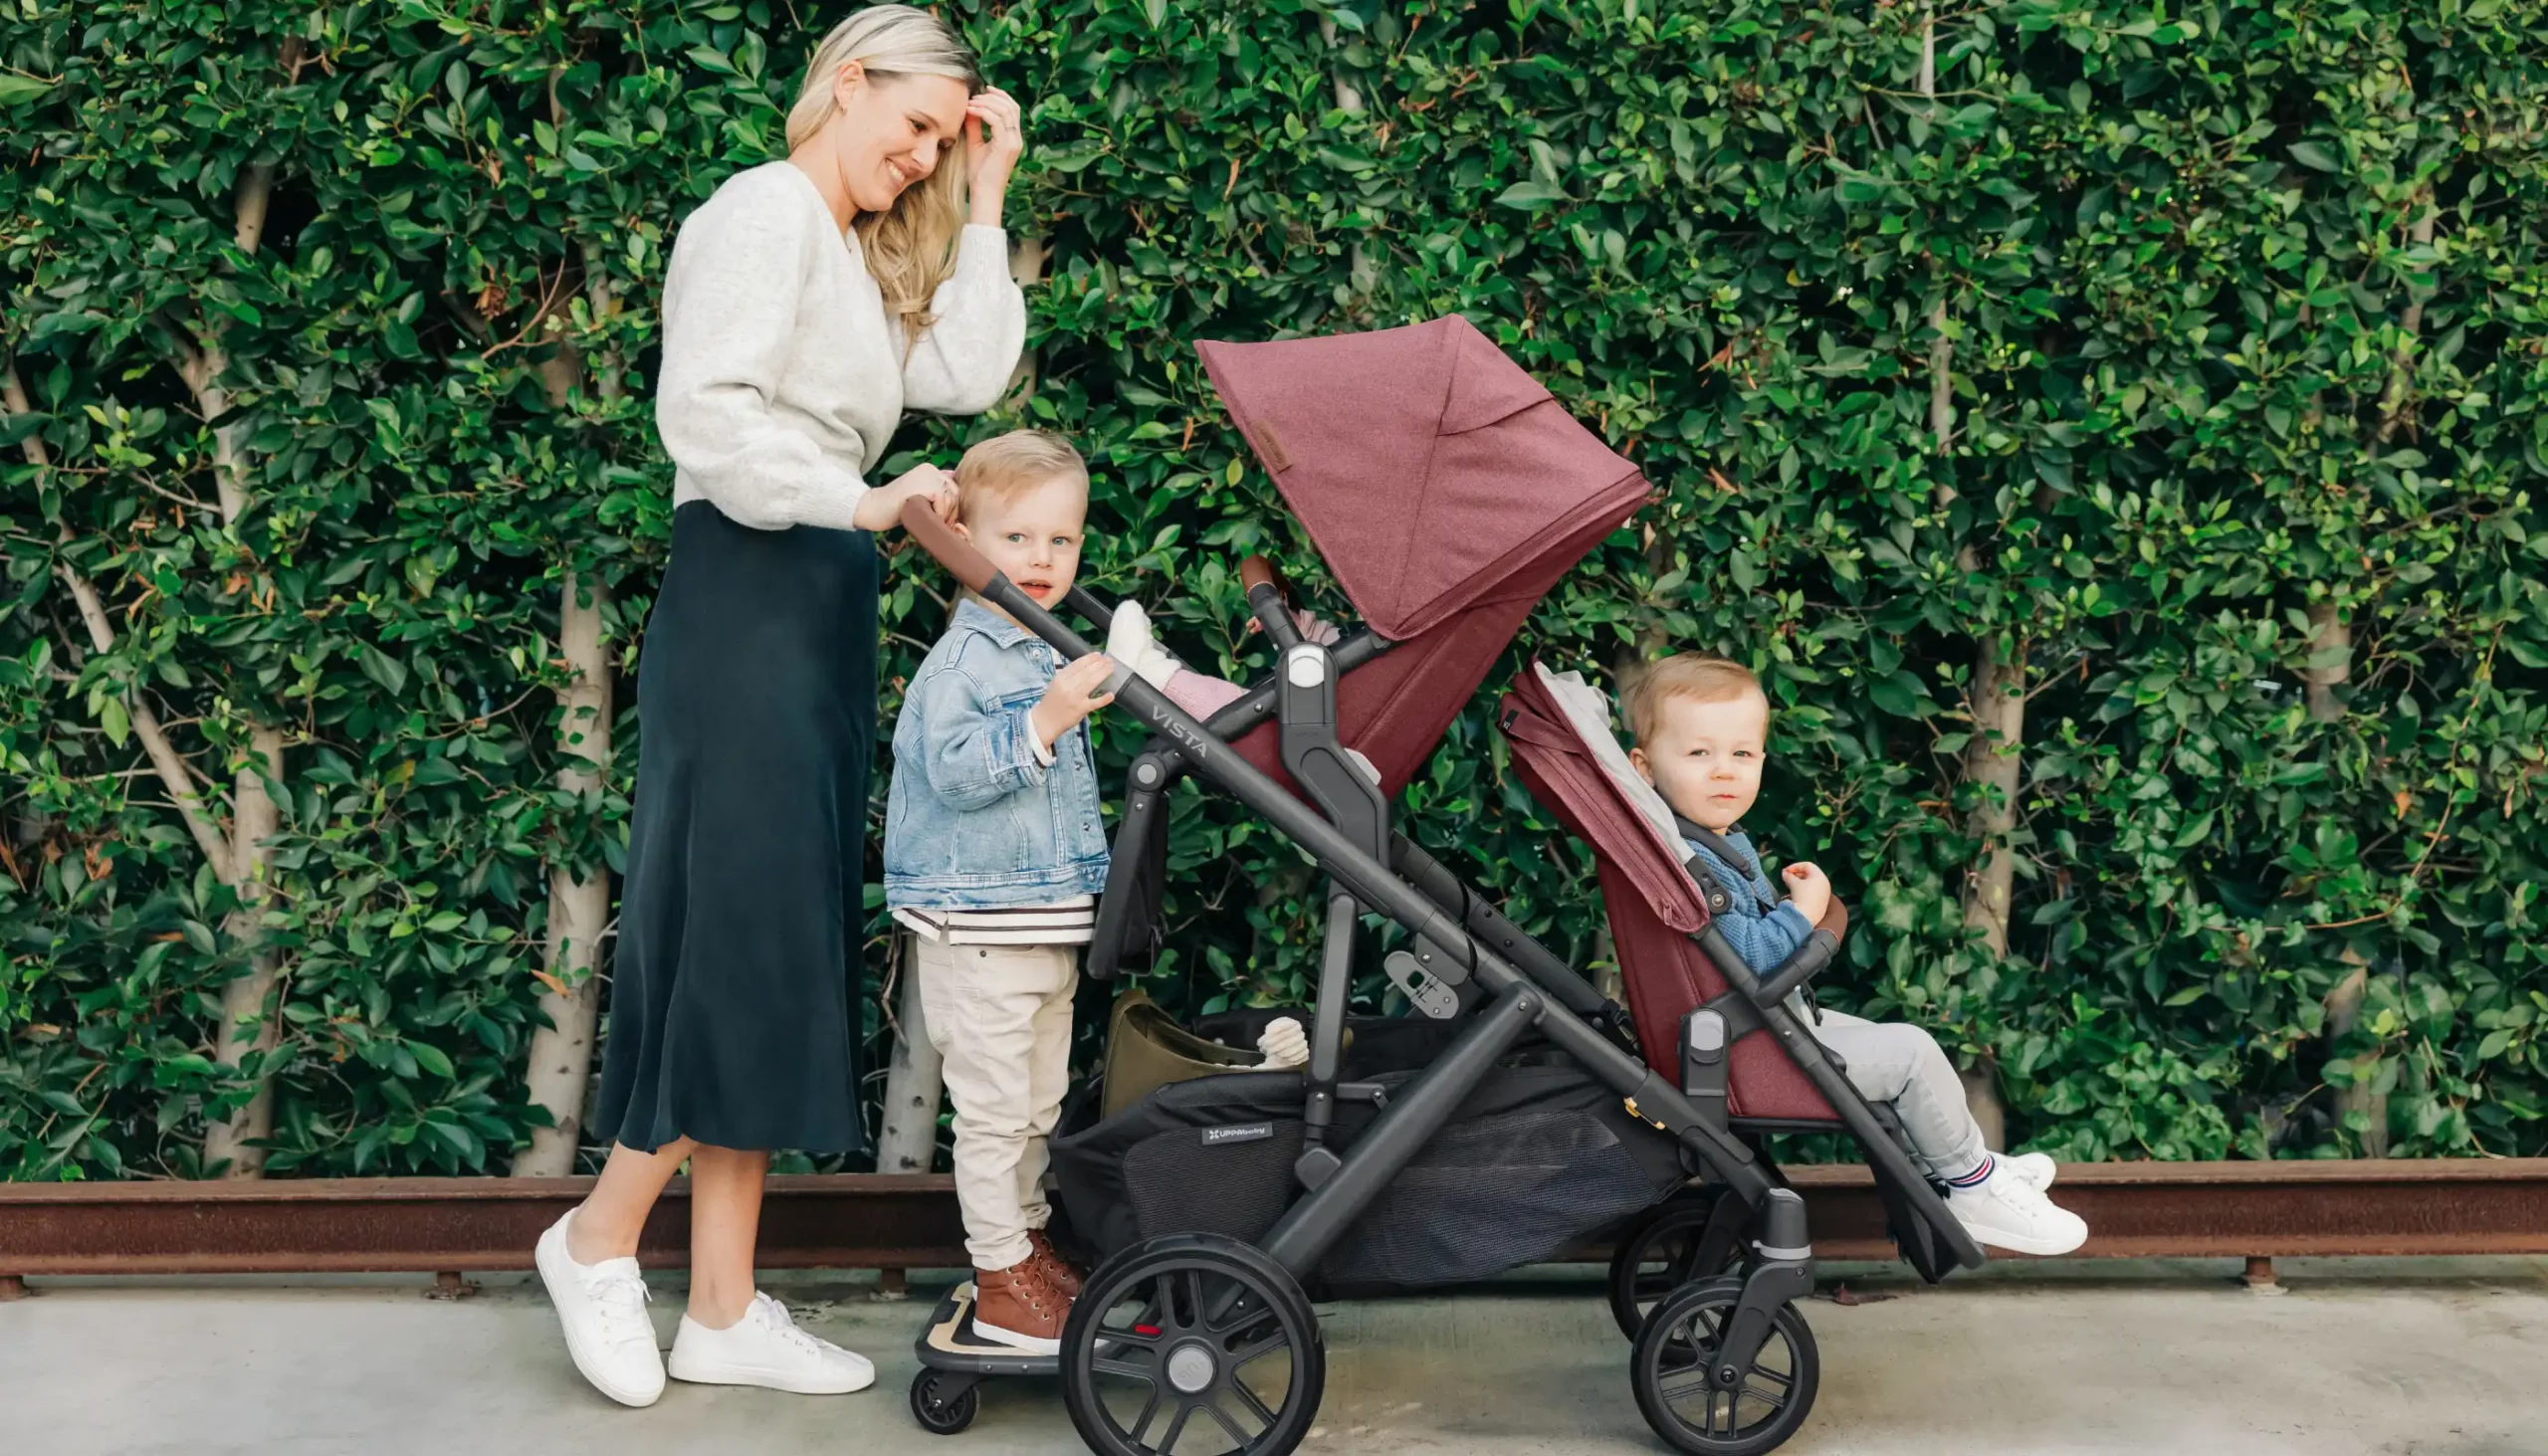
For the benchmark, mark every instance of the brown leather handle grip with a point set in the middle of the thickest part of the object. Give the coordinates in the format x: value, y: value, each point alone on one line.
x: 1256, y: 571
x: 940, y: 540
x: 1835, y: 919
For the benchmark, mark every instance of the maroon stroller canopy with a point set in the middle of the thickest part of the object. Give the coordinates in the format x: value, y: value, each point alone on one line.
x: 1429, y: 468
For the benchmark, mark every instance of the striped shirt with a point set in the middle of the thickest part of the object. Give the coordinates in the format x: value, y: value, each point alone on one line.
x: 1063, y: 923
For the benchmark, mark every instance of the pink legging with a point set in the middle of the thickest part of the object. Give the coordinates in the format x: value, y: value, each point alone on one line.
x: 1199, y: 696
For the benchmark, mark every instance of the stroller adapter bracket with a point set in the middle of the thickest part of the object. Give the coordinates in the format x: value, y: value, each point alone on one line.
x: 1704, y: 1043
x: 1482, y: 919
x: 1306, y: 689
x: 1431, y: 996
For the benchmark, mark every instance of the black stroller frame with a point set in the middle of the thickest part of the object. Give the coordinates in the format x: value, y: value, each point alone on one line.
x: 1508, y: 986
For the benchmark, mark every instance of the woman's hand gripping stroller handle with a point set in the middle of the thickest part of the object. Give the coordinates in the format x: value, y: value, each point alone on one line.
x: 957, y: 554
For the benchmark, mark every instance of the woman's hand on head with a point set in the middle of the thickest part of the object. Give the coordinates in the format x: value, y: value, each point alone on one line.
x: 994, y: 137
x: 880, y: 508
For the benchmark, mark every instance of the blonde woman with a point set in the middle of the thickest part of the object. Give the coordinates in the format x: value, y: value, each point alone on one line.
x: 808, y: 303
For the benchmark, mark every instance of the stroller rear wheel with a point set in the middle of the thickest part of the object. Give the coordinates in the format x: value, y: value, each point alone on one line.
x: 1706, y: 1408
x: 1193, y: 1345
x: 1685, y: 1241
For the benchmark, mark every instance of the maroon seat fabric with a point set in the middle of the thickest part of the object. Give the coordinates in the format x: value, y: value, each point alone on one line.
x: 1653, y: 911
x: 1445, y: 489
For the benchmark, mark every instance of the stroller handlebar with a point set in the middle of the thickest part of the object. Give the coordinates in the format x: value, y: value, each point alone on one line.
x: 952, y: 551
x: 1836, y: 920
x: 1256, y: 571
x: 1269, y: 596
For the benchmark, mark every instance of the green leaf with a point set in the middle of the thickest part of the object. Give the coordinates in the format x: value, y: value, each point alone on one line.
x: 17, y: 91
x: 2316, y: 158
x: 1531, y: 196
x: 1898, y: 694
x: 381, y: 668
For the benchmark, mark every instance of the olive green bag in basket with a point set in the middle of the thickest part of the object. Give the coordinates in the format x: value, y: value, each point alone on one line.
x: 1146, y: 1050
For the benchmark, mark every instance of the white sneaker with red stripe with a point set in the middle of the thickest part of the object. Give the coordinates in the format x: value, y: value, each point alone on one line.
x: 2035, y: 1169
x: 2006, y: 1211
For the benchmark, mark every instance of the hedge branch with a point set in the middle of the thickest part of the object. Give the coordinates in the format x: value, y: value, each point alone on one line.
x: 2330, y: 630
x: 164, y: 758
x: 1998, y: 698
x: 562, y: 1052
x: 249, y: 1013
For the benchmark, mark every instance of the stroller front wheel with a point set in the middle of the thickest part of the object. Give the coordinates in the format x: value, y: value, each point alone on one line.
x: 1190, y: 1342
x: 1685, y: 1241
x: 1689, y: 1401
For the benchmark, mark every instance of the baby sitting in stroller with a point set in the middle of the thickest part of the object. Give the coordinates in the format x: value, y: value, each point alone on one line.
x: 1702, y: 726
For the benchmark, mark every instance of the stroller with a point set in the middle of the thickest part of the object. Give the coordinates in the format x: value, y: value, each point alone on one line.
x: 1518, y: 1111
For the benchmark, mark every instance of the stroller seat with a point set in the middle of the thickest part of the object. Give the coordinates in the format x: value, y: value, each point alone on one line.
x: 1777, y: 1077
x: 1570, y: 759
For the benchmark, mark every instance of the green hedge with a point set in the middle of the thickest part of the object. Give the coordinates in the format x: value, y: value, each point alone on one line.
x: 2242, y: 312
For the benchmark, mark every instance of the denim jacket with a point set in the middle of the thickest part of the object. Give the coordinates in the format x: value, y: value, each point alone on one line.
x: 975, y: 819
x: 1762, y: 934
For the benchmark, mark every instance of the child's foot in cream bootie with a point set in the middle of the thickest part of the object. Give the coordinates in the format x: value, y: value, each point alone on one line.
x: 1129, y: 640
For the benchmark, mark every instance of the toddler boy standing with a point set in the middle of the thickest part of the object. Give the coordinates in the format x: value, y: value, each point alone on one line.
x: 995, y: 851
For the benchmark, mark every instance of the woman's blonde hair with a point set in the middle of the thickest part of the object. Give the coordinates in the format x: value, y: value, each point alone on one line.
x: 911, y: 249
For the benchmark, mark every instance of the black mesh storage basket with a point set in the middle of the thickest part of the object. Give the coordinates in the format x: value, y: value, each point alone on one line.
x: 1538, y: 1157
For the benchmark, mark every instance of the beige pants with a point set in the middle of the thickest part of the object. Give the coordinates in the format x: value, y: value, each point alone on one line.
x: 1000, y: 1016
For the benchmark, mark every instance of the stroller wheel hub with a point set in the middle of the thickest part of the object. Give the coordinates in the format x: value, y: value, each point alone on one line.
x: 1190, y: 1369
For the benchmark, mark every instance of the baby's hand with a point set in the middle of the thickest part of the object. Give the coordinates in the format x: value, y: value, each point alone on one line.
x: 1075, y: 691
x: 1809, y: 889
x: 1310, y: 626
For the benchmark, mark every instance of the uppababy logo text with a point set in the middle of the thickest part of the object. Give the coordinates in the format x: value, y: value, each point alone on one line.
x: 1251, y: 1132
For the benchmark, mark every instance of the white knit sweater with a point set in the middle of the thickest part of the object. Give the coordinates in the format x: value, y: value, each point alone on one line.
x: 784, y: 378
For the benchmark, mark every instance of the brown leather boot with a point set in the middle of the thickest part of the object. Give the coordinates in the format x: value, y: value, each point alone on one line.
x: 1018, y: 1307
x: 1057, y: 1269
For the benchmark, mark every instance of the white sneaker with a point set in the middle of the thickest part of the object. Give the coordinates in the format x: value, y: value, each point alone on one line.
x: 2035, y: 1169
x: 765, y: 1348
x: 603, y: 1309
x: 2006, y: 1212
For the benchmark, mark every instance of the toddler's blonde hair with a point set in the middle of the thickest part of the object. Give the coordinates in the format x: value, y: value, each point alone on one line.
x: 1005, y: 466
x: 1696, y: 676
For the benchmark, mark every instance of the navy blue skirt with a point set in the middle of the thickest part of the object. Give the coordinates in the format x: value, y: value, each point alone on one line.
x: 736, y: 989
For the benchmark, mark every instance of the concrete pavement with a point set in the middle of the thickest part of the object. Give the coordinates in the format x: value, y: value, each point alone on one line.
x: 2432, y: 1360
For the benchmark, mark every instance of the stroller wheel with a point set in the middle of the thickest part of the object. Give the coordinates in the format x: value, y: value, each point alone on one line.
x: 1675, y: 1375
x: 1193, y: 1344
x: 1680, y: 1243
x: 943, y: 1403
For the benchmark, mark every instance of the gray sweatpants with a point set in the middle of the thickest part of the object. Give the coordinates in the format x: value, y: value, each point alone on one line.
x: 1895, y: 1062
